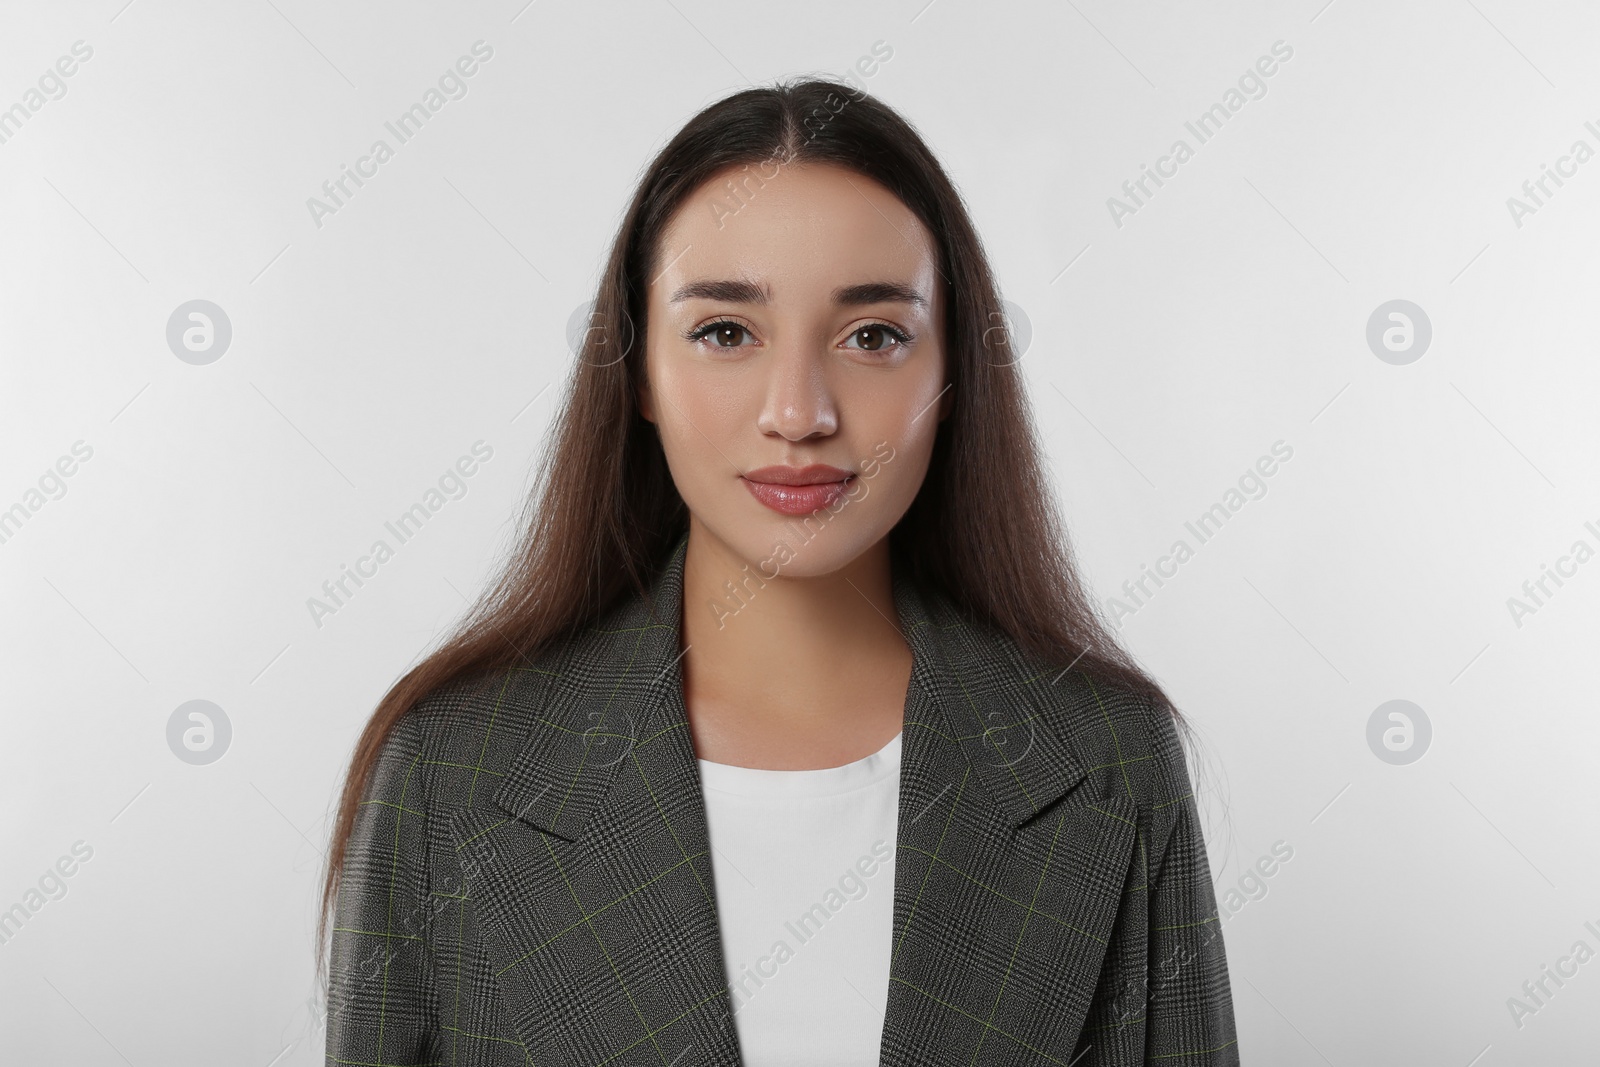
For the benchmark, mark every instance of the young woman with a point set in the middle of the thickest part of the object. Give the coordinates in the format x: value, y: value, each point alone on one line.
x: 789, y: 735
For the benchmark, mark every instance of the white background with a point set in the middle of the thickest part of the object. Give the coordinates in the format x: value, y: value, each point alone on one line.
x: 1167, y: 354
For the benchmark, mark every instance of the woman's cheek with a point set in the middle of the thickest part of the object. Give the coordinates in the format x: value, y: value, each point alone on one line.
x: 700, y: 452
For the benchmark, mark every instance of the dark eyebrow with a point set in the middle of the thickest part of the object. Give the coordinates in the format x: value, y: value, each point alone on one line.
x: 742, y: 292
x: 878, y: 293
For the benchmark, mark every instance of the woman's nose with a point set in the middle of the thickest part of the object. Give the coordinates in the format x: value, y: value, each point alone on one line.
x: 798, y: 401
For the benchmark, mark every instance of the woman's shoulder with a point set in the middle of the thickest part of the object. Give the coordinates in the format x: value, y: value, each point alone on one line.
x: 1124, y: 738
x: 1079, y: 716
x: 457, y: 743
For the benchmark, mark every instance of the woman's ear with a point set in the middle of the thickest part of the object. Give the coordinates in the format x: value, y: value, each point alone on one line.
x: 646, y: 401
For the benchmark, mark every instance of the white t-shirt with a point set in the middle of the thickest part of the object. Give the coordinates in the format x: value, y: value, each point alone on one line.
x: 803, y: 863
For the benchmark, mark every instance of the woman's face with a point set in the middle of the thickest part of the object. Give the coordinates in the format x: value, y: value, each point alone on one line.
x: 817, y: 302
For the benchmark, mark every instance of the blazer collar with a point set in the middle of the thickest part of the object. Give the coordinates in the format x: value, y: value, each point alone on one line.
x: 970, y: 672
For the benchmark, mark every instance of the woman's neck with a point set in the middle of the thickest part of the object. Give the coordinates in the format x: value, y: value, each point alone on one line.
x: 790, y: 672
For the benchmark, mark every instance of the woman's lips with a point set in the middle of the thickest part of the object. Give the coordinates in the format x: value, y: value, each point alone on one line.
x: 796, y: 499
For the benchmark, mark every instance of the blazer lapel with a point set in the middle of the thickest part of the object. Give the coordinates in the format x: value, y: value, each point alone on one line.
x: 598, y: 913
x: 1011, y: 861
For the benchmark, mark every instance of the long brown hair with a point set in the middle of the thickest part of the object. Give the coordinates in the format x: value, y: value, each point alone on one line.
x: 983, y: 527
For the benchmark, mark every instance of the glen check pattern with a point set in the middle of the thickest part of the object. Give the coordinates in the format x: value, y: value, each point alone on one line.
x: 529, y: 879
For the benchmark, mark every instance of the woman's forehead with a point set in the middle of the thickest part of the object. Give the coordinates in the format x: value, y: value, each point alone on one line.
x: 803, y: 230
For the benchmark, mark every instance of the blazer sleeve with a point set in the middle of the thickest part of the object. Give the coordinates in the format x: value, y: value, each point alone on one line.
x: 382, y: 1005
x: 1189, y: 1011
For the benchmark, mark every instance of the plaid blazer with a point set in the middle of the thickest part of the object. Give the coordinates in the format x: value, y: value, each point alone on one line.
x: 529, y: 878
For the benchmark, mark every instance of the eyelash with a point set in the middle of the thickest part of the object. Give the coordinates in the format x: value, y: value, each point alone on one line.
x: 901, y: 338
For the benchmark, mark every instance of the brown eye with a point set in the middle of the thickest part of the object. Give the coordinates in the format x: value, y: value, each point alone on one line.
x: 878, y: 337
x: 865, y: 334
x: 719, y: 332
